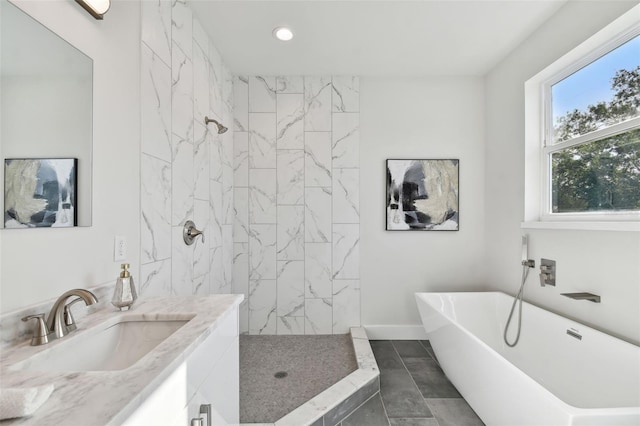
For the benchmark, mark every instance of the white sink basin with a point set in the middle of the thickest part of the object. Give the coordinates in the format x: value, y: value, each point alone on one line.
x: 110, y: 346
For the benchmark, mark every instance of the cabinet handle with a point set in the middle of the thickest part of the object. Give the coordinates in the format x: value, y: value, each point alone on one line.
x: 197, y: 422
x: 206, y: 410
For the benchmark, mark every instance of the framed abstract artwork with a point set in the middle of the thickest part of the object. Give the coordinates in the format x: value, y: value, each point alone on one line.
x: 40, y: 192
x: 423, y: 195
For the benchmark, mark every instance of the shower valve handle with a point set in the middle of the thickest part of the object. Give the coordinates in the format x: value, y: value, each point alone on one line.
x: 190, y: 232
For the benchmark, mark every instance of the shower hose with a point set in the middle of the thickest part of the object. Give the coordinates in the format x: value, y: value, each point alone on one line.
x: 518, y: 299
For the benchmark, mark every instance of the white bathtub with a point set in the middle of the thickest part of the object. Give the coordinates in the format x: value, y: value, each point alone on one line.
x: 550, y: 378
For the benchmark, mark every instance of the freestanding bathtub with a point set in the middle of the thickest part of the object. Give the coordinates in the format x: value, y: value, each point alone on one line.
x: 560, y: 373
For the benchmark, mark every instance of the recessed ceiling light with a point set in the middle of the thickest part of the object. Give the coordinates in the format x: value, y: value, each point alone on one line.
x: 283, y: 33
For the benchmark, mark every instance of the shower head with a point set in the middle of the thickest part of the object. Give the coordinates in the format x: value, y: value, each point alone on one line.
x: 221, y: 128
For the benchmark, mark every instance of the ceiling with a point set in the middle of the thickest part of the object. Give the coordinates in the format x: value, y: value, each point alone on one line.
x: 370, y: 37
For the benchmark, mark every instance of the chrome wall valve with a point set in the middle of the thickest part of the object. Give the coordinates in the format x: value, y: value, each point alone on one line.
x: 190, y: 232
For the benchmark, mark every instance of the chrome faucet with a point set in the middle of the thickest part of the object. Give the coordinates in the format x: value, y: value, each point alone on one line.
x: 60, y: 322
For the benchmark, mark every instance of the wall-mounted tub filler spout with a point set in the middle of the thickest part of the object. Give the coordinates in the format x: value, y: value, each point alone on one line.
x: 583, y: 296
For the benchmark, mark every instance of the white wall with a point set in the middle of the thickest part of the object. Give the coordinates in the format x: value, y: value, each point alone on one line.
x: 604, y: 263
x: 40, y: 264
x: 430, y: 117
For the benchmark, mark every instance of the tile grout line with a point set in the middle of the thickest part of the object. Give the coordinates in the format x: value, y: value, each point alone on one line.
x: 275, y: 141
x: 304, y: 213
x: 333, y: 275
x: 414, y: 383
x: 426, y: 400
x: 384, y: 407
x: 413, y: 380
x: 407, y: 370
x: 432, y: 356
x: 248, y: 206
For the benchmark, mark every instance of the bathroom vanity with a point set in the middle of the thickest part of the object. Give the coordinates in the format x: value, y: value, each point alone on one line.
x: 167, y: 361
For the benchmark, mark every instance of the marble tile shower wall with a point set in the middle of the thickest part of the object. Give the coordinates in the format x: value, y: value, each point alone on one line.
x: 296, y: 197
x: 186, y: 167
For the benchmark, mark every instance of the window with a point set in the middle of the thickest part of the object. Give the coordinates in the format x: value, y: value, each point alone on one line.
x: 582, y: 134
x: 592, y: 145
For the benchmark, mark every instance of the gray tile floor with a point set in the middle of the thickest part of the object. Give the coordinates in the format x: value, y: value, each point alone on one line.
x: 413, y: 390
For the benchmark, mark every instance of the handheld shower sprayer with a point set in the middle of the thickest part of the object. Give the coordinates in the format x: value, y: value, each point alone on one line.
x: 526, y: 265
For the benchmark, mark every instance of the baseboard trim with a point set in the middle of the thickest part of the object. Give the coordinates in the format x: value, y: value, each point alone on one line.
x: 395, y: 332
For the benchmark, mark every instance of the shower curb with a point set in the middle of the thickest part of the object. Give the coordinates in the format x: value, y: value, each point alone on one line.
x: 334, y: 404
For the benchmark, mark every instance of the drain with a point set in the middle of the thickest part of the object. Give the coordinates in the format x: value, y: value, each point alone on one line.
x: 280, y: 375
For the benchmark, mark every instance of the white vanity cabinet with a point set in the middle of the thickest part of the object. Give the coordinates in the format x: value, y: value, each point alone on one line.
x: 221, y: 390
x: 209, y: 375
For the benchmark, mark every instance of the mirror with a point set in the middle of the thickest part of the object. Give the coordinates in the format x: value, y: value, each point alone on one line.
x: 46, y: 113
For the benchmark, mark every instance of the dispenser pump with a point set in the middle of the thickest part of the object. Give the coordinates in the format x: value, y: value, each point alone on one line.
x: 125, y: 271
x: 125, y: 291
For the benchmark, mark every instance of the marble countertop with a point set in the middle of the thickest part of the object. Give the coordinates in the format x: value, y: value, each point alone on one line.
x: 110, y: 397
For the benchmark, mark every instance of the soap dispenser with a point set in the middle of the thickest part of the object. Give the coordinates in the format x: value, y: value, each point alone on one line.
x: 125, y: 293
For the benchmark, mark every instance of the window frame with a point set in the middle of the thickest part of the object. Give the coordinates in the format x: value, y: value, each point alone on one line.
x: 539, y: 134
